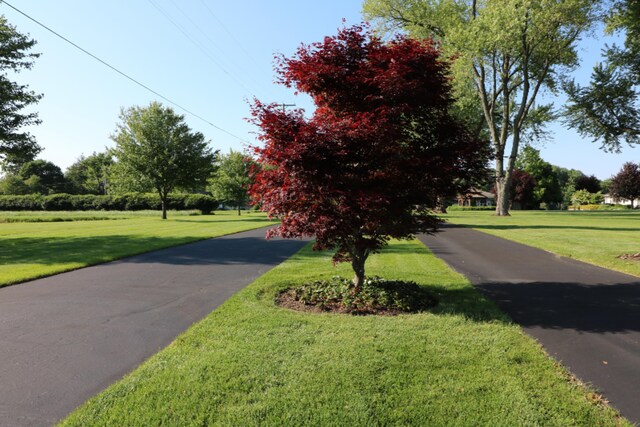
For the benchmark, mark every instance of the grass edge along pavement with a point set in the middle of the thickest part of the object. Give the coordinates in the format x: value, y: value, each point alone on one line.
x: 252, y: 363
x: 31, y: 250
x: 594, y: 237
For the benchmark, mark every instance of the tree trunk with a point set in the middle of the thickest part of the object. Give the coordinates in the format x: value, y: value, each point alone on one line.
x: 502, y: 196
x: 164, y: 208
x: 358, y: 258
x: 239, y: 210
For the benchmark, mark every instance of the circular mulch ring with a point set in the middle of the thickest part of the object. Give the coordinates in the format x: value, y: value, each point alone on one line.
x: 400, y: 297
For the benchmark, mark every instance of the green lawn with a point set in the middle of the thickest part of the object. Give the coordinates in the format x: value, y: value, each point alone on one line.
x: 596, y: 237
x: 251, y: 363
x: 34, y: 249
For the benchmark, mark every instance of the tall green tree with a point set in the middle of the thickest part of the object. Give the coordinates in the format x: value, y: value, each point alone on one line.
x: 90, y: 175
x: 43, y: 177
x: 154, y: 144
x: 547, y: 190
x: 232, y: 180
x: 608, y: 109
x: 506, y: 51
x: 17, y: 147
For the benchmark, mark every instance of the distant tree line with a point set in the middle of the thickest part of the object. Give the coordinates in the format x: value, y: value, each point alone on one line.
x: 537, y: 184
x: 155, y: 152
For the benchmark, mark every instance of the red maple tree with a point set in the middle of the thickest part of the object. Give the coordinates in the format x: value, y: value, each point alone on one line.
x: 379, y: 150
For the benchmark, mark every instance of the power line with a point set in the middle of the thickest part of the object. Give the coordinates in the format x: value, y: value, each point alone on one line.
x: 122, y: 73
x: 197, y: 44
x: 229, y: 33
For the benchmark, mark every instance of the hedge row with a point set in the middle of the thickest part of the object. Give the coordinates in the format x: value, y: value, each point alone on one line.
x: 471, y: 208
x: 124, y: 202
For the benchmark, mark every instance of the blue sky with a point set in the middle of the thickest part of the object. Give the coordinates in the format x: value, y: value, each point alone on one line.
x: 211, y: 57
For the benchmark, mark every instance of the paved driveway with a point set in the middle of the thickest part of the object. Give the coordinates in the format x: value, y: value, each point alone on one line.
x: 66, y: 337
x: 585, y: 316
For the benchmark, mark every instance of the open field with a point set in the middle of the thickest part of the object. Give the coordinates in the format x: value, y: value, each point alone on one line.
x: 34, y: 249
x: 252, y: 363
x: 596, y: 237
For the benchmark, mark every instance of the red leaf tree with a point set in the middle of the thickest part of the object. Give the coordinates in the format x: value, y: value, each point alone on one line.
x: 379, y: 150
x: 626, y: 183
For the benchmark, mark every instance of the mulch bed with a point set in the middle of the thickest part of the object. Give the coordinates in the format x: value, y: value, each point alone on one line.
x: 287, y: 299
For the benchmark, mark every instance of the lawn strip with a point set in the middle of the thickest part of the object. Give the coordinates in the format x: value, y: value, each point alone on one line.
x: 595, y: 237
x: 252, y: 363
x: 29, y: 250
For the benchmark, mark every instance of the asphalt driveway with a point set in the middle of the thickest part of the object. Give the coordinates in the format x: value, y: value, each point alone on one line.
x: 585, y: 316
x: 65, y: 338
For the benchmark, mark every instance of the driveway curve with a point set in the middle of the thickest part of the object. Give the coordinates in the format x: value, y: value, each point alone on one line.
x: 585, y: 316
x: 66, y: 337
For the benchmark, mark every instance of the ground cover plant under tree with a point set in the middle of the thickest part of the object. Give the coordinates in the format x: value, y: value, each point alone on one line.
x: 379, y: 151
x: 251, y: 363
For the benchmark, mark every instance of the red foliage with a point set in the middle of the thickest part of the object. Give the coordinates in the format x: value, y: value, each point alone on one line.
x: 626, y: 183
x: 377, y: 152
x: 522, y: 187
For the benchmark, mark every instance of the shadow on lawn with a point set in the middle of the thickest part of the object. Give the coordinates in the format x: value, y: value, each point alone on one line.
x: 163, y: 250
x: 540, y: 227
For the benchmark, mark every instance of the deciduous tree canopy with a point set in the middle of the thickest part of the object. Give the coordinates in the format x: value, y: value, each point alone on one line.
x: 16, y: 147
x: 506, y: 52
x: 626, y: 183
x: 379, y: 150
x: 154, y: 144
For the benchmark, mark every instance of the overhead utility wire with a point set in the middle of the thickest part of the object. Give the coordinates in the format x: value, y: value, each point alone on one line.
x: 197, y: 44
x: 229, y: 32
x: 209, y: 39
x: 122, y: 73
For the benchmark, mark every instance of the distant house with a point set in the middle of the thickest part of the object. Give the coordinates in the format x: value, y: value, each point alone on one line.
x: 475, y: 197
x: 610, y: 200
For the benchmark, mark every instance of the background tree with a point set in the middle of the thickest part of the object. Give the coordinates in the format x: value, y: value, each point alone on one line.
x: 626, y: 183
x: 154, y: 144
x: 567, y: 181
x: 507, y: 51
x: 608, y: 109
x: 522, y: 189
x: 233, y: 179
x: 16, y: 147
x: 589, y: 183
x: 13, y: 184
x: 548, y: 190
x: 379, y: 150
x: 50, y: 178
x: 90, y: 175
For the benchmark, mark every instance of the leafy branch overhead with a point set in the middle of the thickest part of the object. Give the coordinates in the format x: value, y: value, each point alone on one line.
x: 608, y: 109
x: 16, y: 147
x: 505, y: 52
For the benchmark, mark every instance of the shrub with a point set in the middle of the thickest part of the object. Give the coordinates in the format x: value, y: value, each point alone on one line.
x: 124, y: 202
x: 58, y: 202
x: 376, y: 295
x: 201, y: 202
x: 471, y: 208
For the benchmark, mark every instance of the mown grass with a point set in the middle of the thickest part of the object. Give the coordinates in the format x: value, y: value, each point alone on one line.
x: 64, y: 216
x: 594, y: 237
x: 29, y: 250
x: 251, y: 363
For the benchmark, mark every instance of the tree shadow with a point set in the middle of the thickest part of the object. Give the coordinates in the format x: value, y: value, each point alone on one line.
x: 539, y: 227
x: 601, y: 308
x: 186, y: 250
